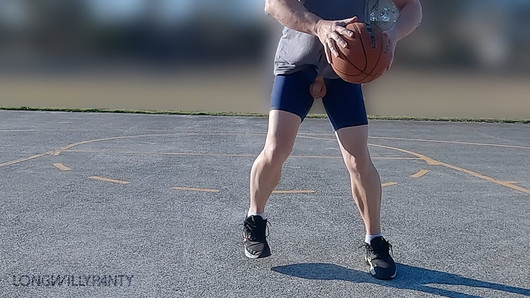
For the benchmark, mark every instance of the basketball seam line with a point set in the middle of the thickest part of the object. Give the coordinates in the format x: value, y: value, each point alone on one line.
x: 365, y: 60
x: 349, y: 75
x: 379, y: 57
x: 363, y: 72
x: 351, y: 63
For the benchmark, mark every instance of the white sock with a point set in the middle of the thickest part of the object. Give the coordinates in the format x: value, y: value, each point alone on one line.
x: 368, y: 238
x: 250, y: 212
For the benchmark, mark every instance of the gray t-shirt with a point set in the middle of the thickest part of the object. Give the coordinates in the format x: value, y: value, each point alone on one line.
x: 297, y: 50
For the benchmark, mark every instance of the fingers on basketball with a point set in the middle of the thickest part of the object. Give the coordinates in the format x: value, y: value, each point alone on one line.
x: 367, y: 56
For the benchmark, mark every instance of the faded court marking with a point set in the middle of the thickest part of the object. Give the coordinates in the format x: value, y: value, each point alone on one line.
x: 427, y: 159
x: 196, y: 189
x: 60, y: 150
x: 306, y: 191
x: 253, y: 155
x: 433, y: 162
x: 61, y: 166
x: 116, y: 181
x: 419, y: 174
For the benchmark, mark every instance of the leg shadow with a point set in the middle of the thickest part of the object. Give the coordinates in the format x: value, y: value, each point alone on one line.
x: 409, y: 277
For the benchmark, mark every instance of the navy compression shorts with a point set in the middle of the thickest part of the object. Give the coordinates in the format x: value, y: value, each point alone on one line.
x: 344, y: 102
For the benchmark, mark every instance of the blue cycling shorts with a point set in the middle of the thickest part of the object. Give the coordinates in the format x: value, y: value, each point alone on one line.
x: 344, y: 102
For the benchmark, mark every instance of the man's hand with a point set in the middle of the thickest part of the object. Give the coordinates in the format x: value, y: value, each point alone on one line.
x: 329, y: 33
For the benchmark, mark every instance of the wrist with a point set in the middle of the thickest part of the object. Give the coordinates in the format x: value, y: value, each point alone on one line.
x: 317, y: 25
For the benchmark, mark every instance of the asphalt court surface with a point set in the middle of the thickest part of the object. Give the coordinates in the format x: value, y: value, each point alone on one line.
x: 131, y: 205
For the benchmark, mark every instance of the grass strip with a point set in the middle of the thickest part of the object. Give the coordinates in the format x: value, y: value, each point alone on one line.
x: 208, y: 113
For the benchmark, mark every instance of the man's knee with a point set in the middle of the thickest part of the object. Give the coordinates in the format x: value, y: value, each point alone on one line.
x: 276, y: 153
x: 358, y: 164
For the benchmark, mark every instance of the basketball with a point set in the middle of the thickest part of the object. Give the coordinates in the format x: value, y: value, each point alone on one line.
x: 367, y: 56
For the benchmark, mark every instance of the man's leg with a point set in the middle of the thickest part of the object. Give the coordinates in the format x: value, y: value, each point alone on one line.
x: 267, y: 168
x: 345, y: 106
x: 290, y: 103
x: 365, y: 182
x: 366, y: 190
x: 265, y: 176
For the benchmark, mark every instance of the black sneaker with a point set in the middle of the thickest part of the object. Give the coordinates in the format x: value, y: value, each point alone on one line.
x: 254, y: 238
x: 378, y: 257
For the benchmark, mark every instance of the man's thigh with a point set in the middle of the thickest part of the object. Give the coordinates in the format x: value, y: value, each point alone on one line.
x: 344, y: 104
x: 290, y: 92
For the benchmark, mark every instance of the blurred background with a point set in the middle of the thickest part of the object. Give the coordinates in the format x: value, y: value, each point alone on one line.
x: 469, y: 58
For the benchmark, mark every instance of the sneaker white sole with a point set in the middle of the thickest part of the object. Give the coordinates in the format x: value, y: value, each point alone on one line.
x: 372, y: 269
x: 250, y: 256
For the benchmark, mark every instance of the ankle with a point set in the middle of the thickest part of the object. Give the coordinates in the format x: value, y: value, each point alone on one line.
x: 252, y: 212
x: 368, y: 238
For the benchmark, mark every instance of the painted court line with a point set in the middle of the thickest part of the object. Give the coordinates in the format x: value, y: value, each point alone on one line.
x: 196, y: 189
x: 307, y: 191
x: 427, y: 159
x: 434, y: 162
x: 455, y: 142
x: 108, y: 180
x: 107, y: 151
x: 8, y: 163
x: 61, y: 166
x: 419, y: 174
x: 64, y: 148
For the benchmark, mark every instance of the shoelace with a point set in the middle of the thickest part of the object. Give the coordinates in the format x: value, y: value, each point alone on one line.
x: 371, y: 248
x: 254, y: 233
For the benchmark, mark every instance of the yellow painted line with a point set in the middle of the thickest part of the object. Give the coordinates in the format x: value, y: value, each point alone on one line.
x: 61, y: 166
x: 162, y: 153
x: 419, y: 174
x: 427, y: 159
x: 503, y: 183
x: 196, y: 189
x: 58, y: 151
x: 108, y: 180
x: 397, y: 158
x: 227, y: 154
x: 454, y: 142
x: 301, y: 135
x: 315, y: 156
x: 431, y: 161
x: 388, y: 184
x: 293, y: 191
x: 8, y: 163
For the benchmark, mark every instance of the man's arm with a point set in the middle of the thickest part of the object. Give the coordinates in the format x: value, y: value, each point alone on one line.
x: 410, y: 15
x: 292, y: 14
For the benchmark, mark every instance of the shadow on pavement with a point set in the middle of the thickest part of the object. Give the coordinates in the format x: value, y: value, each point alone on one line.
x: 409, y: 278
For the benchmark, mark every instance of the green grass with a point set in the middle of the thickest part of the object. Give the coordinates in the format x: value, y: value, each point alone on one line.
x: 318, y: 116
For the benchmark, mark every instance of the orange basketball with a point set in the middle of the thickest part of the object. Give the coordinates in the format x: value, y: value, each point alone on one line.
x: 367, y: 56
